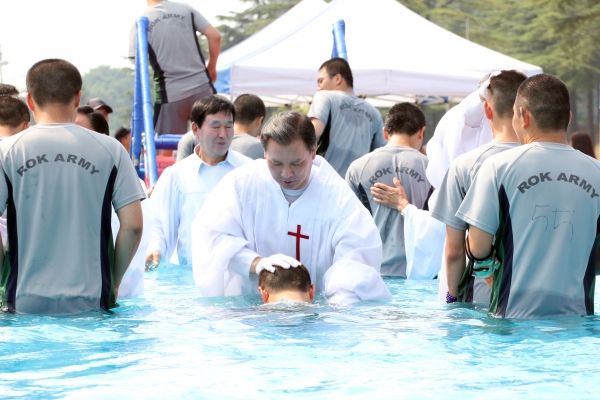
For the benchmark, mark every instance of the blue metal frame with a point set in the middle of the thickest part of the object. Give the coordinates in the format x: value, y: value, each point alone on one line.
x: 339, y: 40
x: 142, y: 120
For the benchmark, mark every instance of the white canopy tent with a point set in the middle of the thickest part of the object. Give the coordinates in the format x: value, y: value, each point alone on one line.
x: 395, y: 54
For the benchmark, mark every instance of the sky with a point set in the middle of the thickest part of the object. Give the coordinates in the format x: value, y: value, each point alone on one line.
x: 85, y: 32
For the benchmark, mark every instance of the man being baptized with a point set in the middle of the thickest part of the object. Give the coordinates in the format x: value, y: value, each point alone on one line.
x: 292, y: 284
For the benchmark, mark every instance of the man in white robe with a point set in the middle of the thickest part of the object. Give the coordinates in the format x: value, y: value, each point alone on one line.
x: 291, y: 207
x: 182, y: 188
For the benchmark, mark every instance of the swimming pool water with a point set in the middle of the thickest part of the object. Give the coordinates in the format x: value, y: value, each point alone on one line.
x: 172, y: 343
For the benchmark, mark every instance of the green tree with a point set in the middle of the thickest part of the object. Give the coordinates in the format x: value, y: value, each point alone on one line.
x: 115, y: 87
x: 238, y: 26
x: 561, y: 36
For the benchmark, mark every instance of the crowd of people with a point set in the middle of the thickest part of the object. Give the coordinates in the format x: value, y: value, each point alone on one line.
x: 329, y: 202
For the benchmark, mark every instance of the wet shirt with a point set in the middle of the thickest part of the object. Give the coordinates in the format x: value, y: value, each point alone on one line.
x: 382, y: 165
x: 452, y: 191
x: 542, y: 203
x: 60, y: 181
x: 173, y: 50
x: 353, y: 127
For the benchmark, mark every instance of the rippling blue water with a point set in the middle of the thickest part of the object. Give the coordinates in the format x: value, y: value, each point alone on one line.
x: 171, y: 342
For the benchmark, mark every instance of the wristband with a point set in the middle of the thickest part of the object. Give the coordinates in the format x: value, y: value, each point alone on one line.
x: 450, y: 299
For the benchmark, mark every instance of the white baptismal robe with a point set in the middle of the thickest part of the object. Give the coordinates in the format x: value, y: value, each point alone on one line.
x: 326, y: 228
x: 177, y: 198
x: 132, y: 284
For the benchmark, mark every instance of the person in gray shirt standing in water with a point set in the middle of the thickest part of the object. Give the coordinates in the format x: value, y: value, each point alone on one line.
x: 347, y: 126
x: 534, y: 213
x: 499, y: 93
x: 400, y: 158
x: 180, y: 76
x: 59, y: 183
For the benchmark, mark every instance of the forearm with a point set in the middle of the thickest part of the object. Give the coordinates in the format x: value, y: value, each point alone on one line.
x: 455, y: 269
x: 455, y: 258
x: 128, y: 240
x: 243, y: 261
x: 157, y: 242
x: 214, y: 48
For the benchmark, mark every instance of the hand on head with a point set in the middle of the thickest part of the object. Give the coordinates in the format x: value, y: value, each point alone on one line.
x: 277, y: 260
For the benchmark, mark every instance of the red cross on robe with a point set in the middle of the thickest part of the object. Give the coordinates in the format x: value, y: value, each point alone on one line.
x: 298, y: 236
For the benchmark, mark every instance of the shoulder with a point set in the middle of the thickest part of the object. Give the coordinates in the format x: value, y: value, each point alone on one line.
x: 337, y: 186
x: 237, y: 159
x: 178, y: 4
x: 324, y: 96
x: 112, y: 147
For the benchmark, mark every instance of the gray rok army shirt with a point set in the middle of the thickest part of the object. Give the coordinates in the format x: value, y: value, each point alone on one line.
x: 179, y: 70
x: 353, y: 127
x: 59, y: 182
x: 382, y: 165
x: 542, y: 203
x: 453, y: 190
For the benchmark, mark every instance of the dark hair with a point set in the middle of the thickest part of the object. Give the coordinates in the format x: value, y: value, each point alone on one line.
x: 8, y: 90
x: 211, y: 105
x: 248, y: 108
x: 53, y: 81
x: 404, y: 118
x: 287, y: 126
x: 502, y: 92
x: 296, y: 279
x: 87, y: 110
x: 99, y: 123
x: 582, y: 141
x: 339, y: 66
x: 547, y: 99
x: 13, y: 112
x: 122, y: 132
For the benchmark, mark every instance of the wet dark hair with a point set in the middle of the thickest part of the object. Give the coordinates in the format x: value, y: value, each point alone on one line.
x: 8, y: 90
x: 287, y: 126
x: 547, y: 99
x: 296, y: 279
x: 122, y: 132
x: 338, y: 66
x: 502, y: 92
x: 582, y: 141
x: 211, y: 105
x: 248, y: 108
x: 53, y: 81
x: 13, y: 112
x: 404, y: 118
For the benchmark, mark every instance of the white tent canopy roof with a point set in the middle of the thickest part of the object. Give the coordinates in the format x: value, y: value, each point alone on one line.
x: 392, y: 51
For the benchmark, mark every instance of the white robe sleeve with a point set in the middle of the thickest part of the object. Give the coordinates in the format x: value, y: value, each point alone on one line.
x: 354, y: 275
x: 219, y: 243
x: 424, y: 238
x: 165, y: 212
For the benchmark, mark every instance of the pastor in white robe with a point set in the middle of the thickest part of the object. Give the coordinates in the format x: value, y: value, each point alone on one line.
x: 326, y: 228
